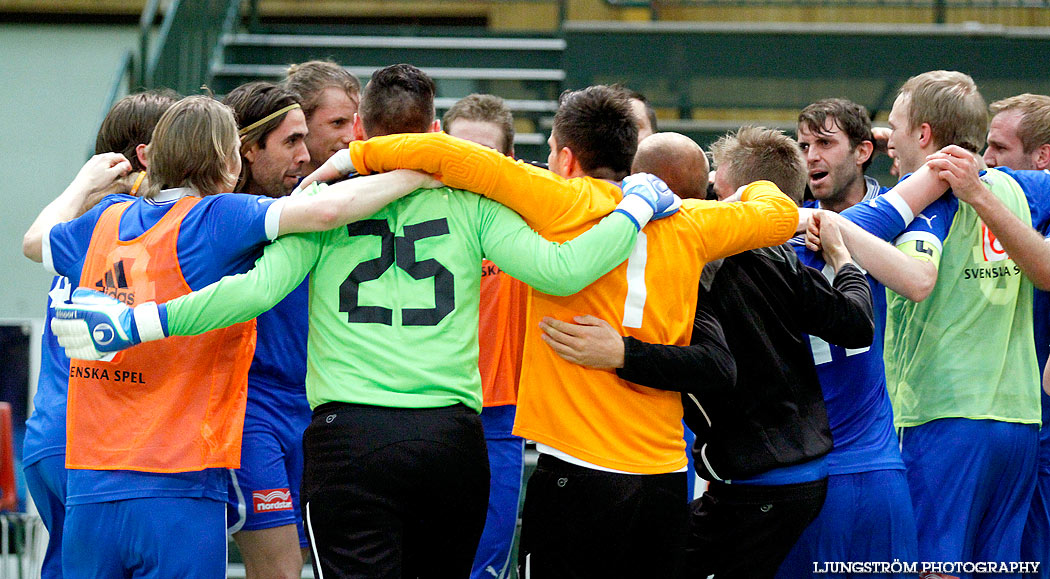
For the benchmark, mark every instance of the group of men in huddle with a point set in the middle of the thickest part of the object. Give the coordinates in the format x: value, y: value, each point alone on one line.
x: 833, y: 380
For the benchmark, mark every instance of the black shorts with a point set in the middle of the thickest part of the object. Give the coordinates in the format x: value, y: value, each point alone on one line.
x: 579, y: 522
x: 746, y: 531
x: 394, y: 492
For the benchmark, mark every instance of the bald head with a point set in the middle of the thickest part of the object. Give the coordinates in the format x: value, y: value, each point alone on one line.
x: 677, y: 160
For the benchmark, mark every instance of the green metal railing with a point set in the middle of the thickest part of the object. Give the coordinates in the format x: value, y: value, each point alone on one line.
x: 187, y: 42
x: 186, y: 46
x: 146, y: 20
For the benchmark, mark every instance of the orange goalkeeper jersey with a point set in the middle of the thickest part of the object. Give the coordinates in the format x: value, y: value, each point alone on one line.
x: 592, y: 414
x: 501, y: 334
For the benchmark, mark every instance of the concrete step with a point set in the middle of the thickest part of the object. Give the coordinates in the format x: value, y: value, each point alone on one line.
x: 516, y: 106
x: 435, y: 72
x: 376, y: 51
x: 534, y: 88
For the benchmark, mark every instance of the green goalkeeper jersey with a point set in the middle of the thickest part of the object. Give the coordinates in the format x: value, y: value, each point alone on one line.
x: 394, y: 298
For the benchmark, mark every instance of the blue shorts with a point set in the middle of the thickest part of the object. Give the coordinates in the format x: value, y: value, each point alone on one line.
x: 691, y: 477
x: 149, y: 538
x: 867, y: 516
x: 46, y: 481
x: 506, y: 462
x: 264, y: 492
x: 971, y: 485
x: 1035, y: 543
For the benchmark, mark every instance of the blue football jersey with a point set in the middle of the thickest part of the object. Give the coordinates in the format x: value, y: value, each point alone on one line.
x: 46, y: 428
x: 222, y: 234
x: 854, y: 380
x: 1036, y: 186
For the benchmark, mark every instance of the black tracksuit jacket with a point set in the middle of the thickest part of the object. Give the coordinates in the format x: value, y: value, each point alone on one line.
x: 773, y: 414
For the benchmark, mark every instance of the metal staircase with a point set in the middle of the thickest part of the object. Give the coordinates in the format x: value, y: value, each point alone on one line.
x: 526, y: 72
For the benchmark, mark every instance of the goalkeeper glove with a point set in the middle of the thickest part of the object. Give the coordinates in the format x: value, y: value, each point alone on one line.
x: 93, y: 325
x: 647, y: 197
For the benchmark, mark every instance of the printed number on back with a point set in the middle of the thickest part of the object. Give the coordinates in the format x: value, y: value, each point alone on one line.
x: 399, y: 250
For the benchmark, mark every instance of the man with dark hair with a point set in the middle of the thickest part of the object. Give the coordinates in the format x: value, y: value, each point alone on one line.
x: 396, y: 478
x: 835, y: 136
x: 486, y: 120
x: 330, y: 96
x: 761, y: 443
x: 128, y: 126
x: 641, y: 111
x: 594, y: 135
x: 867, y: 487
x: 263, y: 506
x: 607, y: 497
x: 272, y: 128
x: 402, y: 101
x: 127, y: 129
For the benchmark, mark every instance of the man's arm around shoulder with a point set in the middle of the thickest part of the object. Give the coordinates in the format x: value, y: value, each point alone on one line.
x: 762, y: 218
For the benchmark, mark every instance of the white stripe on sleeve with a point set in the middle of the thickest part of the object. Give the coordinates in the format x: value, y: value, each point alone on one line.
x: 273, y: 218
x: 900, y: 205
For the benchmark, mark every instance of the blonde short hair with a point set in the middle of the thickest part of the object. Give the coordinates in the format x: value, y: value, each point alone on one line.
x: 1034, y: 128
x: 951, y: 104
x: 310, y: 79
x: 761, y: 154
x: 193, y: 145
x: 485, y: 108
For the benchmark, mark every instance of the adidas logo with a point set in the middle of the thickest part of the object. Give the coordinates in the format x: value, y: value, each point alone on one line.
x: 115, y: 284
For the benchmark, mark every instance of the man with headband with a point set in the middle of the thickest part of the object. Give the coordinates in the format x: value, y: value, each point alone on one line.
x: 263, y: 494
x: 272, y: 129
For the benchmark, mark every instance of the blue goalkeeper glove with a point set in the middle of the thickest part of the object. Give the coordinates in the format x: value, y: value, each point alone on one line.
x: 659, y: 201
x: 93, y: 325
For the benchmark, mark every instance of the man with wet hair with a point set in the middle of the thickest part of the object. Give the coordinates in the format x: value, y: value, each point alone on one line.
x: 330, y: 96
